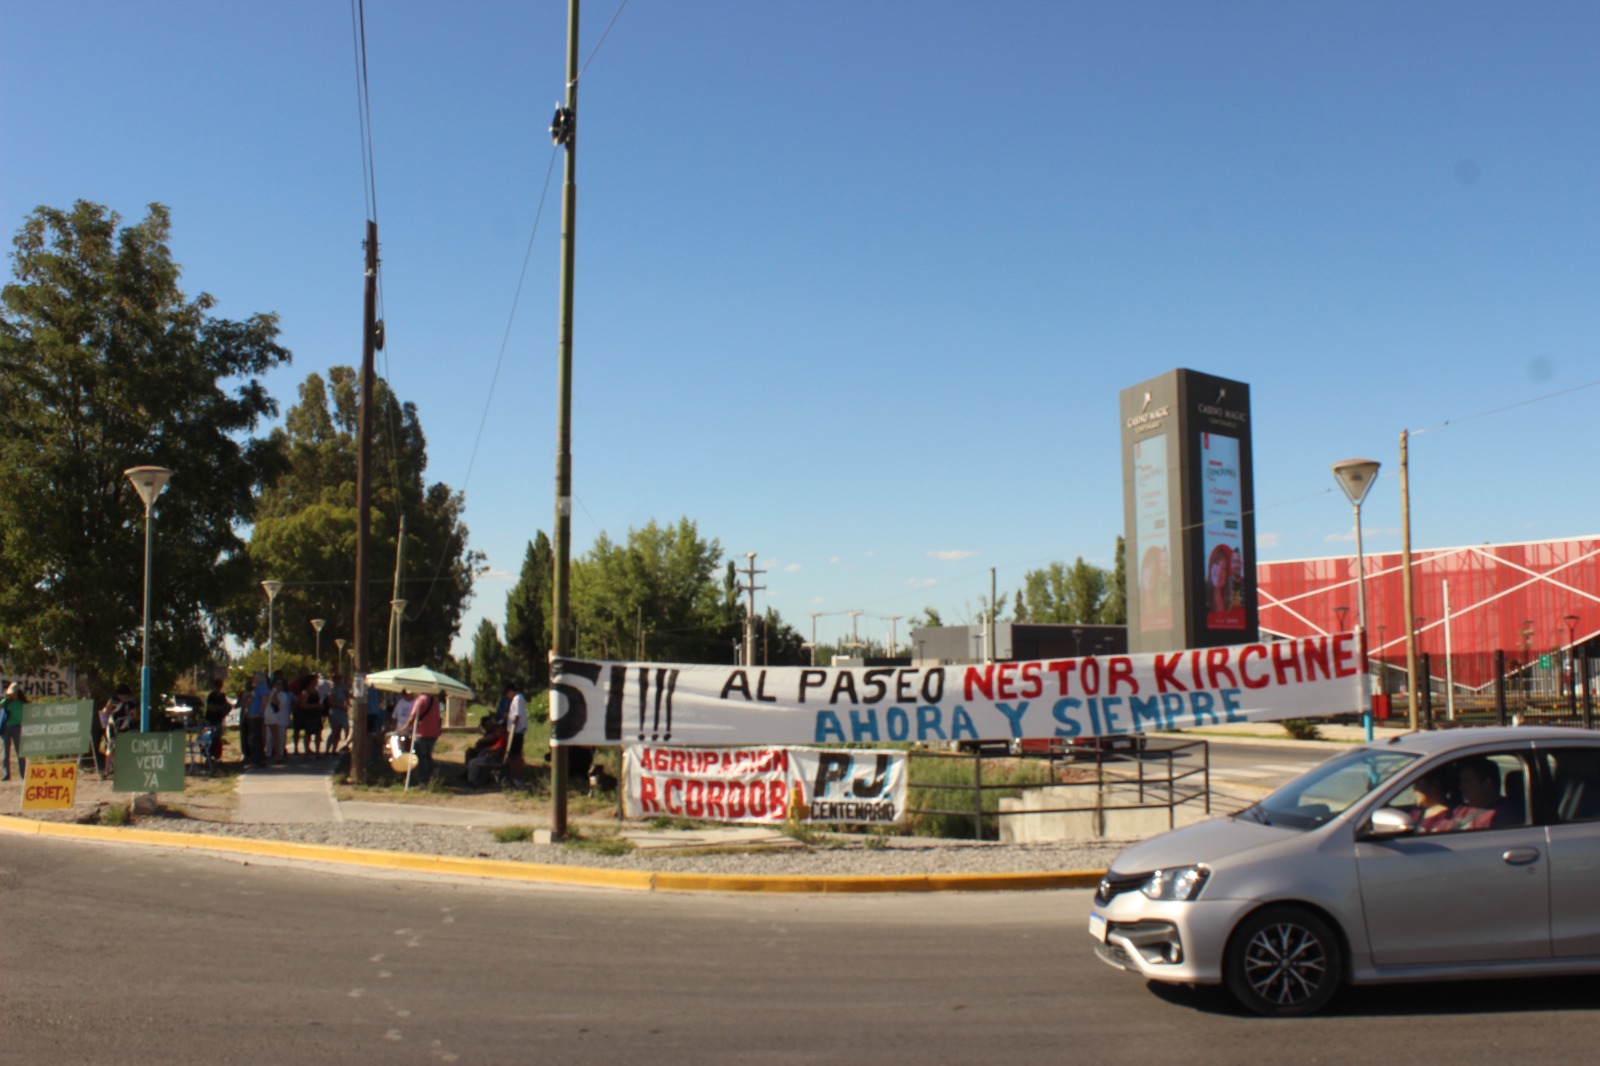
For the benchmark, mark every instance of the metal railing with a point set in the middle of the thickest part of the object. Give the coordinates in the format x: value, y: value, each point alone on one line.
x: 1144, y: 773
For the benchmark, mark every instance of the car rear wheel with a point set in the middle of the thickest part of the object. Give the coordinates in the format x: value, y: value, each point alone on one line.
x: 1284, y: 960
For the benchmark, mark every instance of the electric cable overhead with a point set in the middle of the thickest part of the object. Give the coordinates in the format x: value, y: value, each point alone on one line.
x: 369, y: 181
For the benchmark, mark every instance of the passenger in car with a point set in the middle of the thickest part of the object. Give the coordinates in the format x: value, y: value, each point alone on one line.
x: 1482, y: 806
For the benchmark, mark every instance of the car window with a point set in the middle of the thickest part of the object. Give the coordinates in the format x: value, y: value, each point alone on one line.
x: 1326, y: 791
x: 1466, y: 794
x: 1575, y: 779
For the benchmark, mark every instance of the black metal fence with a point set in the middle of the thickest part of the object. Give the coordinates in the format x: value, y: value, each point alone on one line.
x: 1143, y: 773
x: 1535, y: 689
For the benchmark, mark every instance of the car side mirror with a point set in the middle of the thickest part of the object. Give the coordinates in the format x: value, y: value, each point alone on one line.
x: 1390, y: 822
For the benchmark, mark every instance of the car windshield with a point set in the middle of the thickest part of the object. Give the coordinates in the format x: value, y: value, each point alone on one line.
x: 1325, y: 792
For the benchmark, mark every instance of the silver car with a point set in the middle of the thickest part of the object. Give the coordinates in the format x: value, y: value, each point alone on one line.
x: 1452, y: 854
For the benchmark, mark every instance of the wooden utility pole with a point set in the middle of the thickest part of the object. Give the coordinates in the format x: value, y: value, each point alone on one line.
x: 363, y: 627
x: 750, y: 571
x: 564, y: 132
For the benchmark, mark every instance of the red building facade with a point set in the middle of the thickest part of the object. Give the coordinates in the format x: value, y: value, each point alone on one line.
x: 1533, y: 601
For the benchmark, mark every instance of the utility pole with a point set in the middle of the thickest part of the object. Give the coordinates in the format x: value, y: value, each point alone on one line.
x: 371, y: 341
x: 752, y: 588
x: 563, y: 132
x: 855, y: 641
x: 894, y: 643
x: 396, y: 613
x: 813, y: 615
x: 1405, y: 576
x: 993, y: 618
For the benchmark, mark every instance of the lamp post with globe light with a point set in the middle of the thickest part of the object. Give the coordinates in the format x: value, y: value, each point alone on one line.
x: 317, y: 624
x: 272, y: 588
x: 1355, y: 477
x: 148, y: 482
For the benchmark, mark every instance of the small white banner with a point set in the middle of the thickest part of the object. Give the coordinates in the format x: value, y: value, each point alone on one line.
x: 760, y: 784
x: 657, y: 704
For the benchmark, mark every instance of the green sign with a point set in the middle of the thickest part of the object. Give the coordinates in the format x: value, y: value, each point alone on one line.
x: 1544, y: 662
x: 149, y: 762
x: 57, y: 729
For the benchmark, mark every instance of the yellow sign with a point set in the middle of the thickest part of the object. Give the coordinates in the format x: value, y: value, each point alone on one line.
x: 50, y: 786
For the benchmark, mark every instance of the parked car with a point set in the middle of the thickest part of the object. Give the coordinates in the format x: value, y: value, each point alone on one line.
x: 1466, y: 853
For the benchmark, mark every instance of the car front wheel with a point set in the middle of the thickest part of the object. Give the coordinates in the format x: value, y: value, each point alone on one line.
x: 1284, y: 960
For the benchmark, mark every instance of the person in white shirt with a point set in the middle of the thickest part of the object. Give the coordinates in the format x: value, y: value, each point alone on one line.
x: 516, y: 718
x: 402, y: 711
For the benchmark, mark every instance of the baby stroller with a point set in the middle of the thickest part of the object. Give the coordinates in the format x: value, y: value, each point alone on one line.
x: 203, y: 748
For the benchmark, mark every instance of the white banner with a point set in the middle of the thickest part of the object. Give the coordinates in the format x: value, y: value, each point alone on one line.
x: 659, y: 704
x: 760, y: 784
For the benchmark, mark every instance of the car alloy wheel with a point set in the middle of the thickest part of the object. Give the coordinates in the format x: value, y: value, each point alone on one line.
x: 1284, y: 960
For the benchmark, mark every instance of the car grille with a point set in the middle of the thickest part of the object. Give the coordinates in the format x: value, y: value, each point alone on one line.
x: 1114, y: 885
x: 1113, y: 954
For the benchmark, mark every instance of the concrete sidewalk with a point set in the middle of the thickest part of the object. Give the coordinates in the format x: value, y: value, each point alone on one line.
x: 297, y: 791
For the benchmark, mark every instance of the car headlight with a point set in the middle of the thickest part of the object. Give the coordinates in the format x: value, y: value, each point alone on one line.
x: 1181, y: 883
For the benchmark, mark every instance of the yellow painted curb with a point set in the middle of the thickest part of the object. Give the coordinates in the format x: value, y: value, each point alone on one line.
x: 550, y: 873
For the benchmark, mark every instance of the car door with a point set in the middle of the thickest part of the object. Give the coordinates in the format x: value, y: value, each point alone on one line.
x: 1459, y: 896
x: 1573, y: 776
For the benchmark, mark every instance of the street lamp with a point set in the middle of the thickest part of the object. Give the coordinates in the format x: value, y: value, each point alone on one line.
x: 272, y: 588
x: 1527, y: 658
x: 1572, y: 640
x: 339, y: 643
x: 1355, y: 477
x: 1341, y: 611
x: 148, y: 482
x: 317, y: 624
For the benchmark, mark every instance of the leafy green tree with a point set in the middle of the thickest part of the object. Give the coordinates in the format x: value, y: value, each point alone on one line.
x: 1114, y: 609
x: 106, y: 364
x: 658, y: 591
x: 491, y: 663
x: 528, y: 607
x: 305, y: 529
x: 1061, y: 594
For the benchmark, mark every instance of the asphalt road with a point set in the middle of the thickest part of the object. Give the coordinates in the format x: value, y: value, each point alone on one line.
x: 127, y: 955
x: 1263, y: 765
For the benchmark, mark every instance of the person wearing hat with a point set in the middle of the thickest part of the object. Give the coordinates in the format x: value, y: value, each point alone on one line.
x: 11, y: 729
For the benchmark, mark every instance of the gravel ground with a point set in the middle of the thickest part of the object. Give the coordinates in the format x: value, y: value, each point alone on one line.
x: 839, y: 856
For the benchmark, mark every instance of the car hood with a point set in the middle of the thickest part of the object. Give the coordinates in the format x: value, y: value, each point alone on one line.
x: 1206, y: 842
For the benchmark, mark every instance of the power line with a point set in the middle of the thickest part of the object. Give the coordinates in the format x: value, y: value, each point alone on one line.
x: 1508, y: 407
x: 369, y: 177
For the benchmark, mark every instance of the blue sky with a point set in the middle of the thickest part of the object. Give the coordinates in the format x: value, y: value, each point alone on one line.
x: 858, y: 283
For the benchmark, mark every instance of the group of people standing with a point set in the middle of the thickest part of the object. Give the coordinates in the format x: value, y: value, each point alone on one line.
x: 281, y: 717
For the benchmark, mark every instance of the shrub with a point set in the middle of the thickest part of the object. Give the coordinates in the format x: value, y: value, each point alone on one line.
x: 1302, y: 728
x: 116, y: 814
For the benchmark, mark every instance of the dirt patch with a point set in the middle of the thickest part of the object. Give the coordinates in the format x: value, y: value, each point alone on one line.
x: 210, y: 799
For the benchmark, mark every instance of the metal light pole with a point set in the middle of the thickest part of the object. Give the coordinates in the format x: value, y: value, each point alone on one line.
x: 272, y: 588
x: 148, y: 482
x: 1355, y: 477
x: 317, y: 624
x: 1572, y: 674
x: 339, y: 643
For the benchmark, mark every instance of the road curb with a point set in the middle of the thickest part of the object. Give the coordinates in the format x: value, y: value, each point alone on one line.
x: 552, y: 874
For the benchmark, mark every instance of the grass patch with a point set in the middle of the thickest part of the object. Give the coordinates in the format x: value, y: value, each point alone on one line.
x: 1301, y: 728
x: 806, y: 834
x: 116, y: 814
x: 941, y: 789
x: 601, y: 843
x: 512, y: 834
x: 664, y: 822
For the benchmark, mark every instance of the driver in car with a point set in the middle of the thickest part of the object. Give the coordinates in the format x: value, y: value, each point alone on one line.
x: 1482, y: 806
